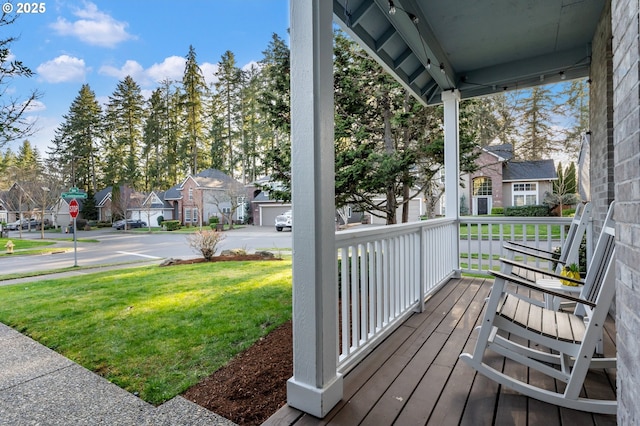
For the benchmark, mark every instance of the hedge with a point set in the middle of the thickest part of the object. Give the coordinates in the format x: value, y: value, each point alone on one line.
x: 529, y: 211
x: 172, y: 225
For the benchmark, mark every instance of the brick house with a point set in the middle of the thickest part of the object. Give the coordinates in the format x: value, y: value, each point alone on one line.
x: 207, y: 194
x: 500, y: 181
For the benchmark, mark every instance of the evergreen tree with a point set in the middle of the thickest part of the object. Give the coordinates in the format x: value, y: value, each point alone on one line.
x: 491, y: 119
x: 77, y: 140
x: 194, y: 90
x: 172, y: 132
x: 274, y: 101
x: 228, y: 91
x: 576, y: 109
x: 253, y: 127
x: 125, y: 115
x: 89, y: 209
x: 560, y: 181
x: 154, y: 143
x: 570, y: 177
x: 28, y: 158
x: 536, y: 112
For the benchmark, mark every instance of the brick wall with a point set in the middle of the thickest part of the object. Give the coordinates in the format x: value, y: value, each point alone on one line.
x: 601, y: 121
x: 626, y: 119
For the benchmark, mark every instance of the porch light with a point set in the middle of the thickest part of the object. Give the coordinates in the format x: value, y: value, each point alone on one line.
x: 562, y: 75
x: 392, y: 8
x: 428, y: 64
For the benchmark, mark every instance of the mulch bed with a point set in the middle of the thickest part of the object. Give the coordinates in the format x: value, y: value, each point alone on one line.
x: 253, y: 385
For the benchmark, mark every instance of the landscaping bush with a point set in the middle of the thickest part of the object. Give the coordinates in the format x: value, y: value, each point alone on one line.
x: 213, y: 222
x: 205, y: 242
x: 528, y: 211
x: 103, y: 224
x: 172, y: 225
x: 497, y: 210
x: 80, y: 223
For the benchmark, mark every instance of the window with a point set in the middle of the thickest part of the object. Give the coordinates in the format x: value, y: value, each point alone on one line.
x: 187, y: 215
x: 525, y: 194
x: 482, y: 186
x: 194, y: 217
x: 190, y: 193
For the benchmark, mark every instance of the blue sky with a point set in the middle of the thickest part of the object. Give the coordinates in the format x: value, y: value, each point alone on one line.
x: 100, y: 42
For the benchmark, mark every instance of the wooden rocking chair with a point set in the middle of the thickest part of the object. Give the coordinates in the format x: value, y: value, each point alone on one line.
x: 571, y: 339
x: 569, y: 252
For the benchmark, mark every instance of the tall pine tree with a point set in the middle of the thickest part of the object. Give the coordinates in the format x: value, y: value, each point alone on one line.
x: 78, y: 140
x: 124, y: 115
x: 193, y: 92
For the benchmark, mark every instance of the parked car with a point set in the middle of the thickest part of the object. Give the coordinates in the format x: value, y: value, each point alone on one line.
x: 285, y: 220
x: 131, y: 223
x: 14, y: 226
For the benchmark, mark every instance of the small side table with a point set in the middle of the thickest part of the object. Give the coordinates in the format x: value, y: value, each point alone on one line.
x: 553, y: 302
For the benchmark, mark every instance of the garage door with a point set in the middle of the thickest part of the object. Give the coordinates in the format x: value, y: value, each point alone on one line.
x: 268, y: 213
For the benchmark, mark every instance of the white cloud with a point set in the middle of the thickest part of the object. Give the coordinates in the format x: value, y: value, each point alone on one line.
x: 131, y: 68
x: 62, y: 69
x: 209, y: 71
x: 93, y: 27
x: 172, y: 68
x: 36, y: 106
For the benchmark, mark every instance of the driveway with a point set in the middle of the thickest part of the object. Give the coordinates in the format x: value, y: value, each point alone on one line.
x: 133, y: 246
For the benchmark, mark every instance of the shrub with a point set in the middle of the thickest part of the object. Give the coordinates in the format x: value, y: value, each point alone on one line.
x: 497, y: 210
x: 529, y: 211
x: 205, y: 242
x: 172, y: 225
x: 214, y: 220
x: 80, y: 223
x: 160, y: 220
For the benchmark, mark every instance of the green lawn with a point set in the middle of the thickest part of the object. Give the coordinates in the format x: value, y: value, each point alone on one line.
x: 156, y: 331
x: 24, y: 244
x: 517, y: 230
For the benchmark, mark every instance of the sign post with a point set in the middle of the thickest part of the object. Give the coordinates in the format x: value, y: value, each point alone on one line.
x: 74, y: 209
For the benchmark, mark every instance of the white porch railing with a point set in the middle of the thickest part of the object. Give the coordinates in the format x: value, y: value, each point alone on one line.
x: 482, y: 238
x: 384, y: 275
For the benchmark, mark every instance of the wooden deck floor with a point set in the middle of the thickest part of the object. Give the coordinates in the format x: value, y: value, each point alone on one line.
x: 415, y: 378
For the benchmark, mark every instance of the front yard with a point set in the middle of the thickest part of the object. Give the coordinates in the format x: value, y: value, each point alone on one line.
x: 154, y: 331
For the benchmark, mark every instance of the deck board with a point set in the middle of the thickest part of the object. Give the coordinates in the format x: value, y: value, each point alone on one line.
x: 414, y: 376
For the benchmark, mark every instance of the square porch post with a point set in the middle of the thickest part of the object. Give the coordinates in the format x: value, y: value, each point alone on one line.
x: 315, y: 387
x: 451, y: 102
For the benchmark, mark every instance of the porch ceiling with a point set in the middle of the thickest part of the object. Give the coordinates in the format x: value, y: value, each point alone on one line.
x: 477, y: 47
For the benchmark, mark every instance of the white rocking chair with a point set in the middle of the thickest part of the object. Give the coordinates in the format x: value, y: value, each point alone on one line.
x: 571, y: 339
x: 569, y: 252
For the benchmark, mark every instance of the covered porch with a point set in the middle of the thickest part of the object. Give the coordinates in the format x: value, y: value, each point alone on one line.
x: 380, y: 316
x: 415, y: 377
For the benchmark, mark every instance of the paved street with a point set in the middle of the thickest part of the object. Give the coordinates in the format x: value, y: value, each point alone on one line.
x: 118, y: 246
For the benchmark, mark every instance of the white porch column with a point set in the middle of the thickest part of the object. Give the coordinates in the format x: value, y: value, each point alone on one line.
x: 451, y: 101
x: 315, y: 387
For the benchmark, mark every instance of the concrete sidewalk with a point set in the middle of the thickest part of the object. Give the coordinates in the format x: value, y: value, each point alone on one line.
x: 41, y: 387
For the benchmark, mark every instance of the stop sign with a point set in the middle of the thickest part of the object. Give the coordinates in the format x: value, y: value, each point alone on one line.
x: 73, y: 208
